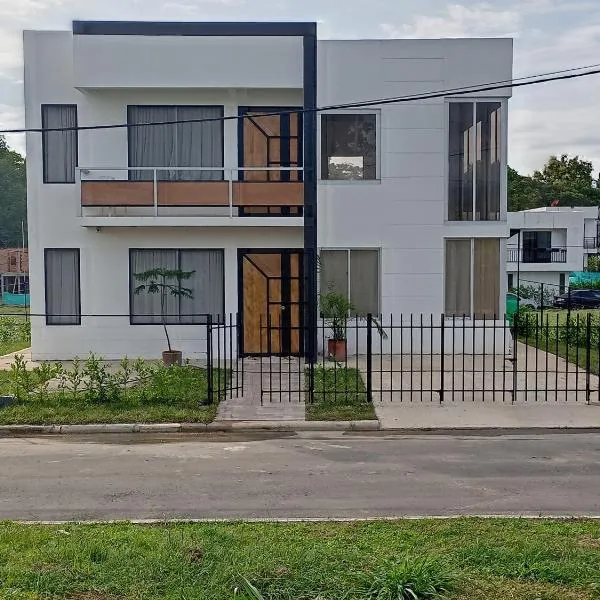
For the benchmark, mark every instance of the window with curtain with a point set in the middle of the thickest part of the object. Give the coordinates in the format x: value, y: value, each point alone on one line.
x: 348, y: 146
x: 206, y: 283
x: 63, y: 295
x: 354, y: 273
x: 474, y: 161
x: 59, y: 148
x: 191, y: 144
x: 472, y: 278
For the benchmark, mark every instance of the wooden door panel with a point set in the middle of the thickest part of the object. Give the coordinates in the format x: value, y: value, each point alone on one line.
x: 272, y: 302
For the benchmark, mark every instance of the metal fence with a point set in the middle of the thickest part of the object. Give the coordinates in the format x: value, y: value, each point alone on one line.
x: 550, y: 357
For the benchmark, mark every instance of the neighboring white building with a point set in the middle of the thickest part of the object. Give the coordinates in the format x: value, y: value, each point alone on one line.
x: 554, y: 242
x: 405, y: 202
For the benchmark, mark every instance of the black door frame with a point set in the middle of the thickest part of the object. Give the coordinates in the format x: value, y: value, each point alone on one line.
x: 285, y: 335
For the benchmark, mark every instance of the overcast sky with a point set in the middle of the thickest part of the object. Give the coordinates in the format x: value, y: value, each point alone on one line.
x: 549, y: 35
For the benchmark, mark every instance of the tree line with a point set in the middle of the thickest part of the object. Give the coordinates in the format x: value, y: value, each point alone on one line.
x: 13, y: 196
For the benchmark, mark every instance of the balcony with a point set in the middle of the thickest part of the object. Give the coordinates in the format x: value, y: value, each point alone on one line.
x: 591, y: 243
x: 246, y: 196
x: 537, y: 255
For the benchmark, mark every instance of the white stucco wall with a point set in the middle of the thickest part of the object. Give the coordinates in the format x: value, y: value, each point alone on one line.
x: 403, y: 213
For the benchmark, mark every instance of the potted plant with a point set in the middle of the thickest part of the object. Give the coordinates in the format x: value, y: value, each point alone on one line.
x: 166, y: 282
x: 335, y: 311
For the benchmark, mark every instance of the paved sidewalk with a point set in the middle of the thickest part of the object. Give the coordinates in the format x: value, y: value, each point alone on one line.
x: 282, y: 399
x: 487, y: 415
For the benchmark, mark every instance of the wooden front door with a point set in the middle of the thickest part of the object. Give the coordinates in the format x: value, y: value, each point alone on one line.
x: 271, y: 287
x: 275, y: 141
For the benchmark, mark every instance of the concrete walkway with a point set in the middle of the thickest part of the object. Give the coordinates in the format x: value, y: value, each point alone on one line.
x: 282, y: 399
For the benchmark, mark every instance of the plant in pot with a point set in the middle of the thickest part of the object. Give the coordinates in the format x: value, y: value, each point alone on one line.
x: 165, y: 282
x: 335, y: 311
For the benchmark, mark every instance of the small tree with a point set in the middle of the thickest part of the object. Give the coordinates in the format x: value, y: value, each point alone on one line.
x: 166, y: 282
x: 335, y: 310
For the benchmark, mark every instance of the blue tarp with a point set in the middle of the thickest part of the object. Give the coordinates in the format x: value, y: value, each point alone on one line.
x: 15, y: 299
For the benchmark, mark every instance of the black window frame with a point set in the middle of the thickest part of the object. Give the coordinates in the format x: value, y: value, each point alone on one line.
x: 324, y: 170
x: 77, y: 322
x: 204, y: 316
x: 44, y: 107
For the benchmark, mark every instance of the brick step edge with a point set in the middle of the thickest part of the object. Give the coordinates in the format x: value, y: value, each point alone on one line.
x: 215, y: 427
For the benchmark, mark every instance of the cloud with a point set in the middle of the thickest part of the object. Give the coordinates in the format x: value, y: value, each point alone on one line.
x: 459, y: 20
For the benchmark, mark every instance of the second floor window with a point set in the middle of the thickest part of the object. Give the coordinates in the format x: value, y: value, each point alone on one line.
x: 59, y: 148
x: 474, y: 161
x: 185, y: 144
x: 349, y: 146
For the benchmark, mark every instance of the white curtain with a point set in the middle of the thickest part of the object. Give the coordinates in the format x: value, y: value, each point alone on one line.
x: 458, y: 277
x: 62, y: 287
x: 175, y: 145
x: 59, y: 148
x: 206, y: 284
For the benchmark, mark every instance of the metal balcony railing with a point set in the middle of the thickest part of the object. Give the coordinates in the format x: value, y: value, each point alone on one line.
x: 537, y: 255
x: 191, y: 191
x: 591, y: 243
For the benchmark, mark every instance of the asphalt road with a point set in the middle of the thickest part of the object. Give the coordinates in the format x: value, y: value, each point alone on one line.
x: 310, y: 475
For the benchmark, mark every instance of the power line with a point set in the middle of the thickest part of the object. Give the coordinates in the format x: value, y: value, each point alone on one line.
x: 564, y: 74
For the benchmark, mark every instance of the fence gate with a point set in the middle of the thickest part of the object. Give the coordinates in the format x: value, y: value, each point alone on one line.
x: 225, y: 363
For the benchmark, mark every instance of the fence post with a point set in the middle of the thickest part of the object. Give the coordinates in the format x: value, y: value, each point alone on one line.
x: 209, y: 360
x: 569, y: 302
x: 515, y: 334
x: 370, y: 357
x: 542, y: 299
x: 588, y: 349
x: 442, y: 352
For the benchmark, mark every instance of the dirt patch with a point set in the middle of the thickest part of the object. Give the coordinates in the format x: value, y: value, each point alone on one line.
x: 196, y: 555
x: 590, y: 542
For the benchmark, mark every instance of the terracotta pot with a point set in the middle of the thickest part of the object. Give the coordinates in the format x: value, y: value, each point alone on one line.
x: 172, y: 357
x: 336, y: 350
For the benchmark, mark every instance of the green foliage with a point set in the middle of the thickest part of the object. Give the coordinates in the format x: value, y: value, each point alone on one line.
x: 593, y: 264
x: 566, y: 179
x: 95, y: 391
x: 412, y: 578
x: 585, y: 285
x: 13, y: 194
x: 15, y: 334
x: 335, y: 310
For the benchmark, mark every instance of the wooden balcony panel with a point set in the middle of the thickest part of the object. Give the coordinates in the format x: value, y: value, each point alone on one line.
x: 270, y: 193
x: 117, y: 193
x: 193, y: 193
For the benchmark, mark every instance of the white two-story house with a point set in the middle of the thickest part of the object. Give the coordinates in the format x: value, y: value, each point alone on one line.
x: 199, y: 146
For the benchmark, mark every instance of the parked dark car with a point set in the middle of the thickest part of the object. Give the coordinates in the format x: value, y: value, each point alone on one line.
x: 579, y: 299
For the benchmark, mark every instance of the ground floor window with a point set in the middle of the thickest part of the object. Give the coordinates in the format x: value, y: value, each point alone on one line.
x: 355, y: 273
x: 206, y: 283
x: 511, y: 281
x: 472, y: 277
x: 63, y: 294
x: 562, y: 283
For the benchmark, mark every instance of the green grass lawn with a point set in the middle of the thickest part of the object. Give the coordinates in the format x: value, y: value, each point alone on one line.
x: 12, y: 329
x: 170, y: 396
x: 340, y: 395
x: 505, y: 559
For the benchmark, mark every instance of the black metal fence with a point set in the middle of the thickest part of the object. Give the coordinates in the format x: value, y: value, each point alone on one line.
x: 551, y: 357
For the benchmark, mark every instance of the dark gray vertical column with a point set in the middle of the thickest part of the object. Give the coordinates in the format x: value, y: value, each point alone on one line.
x: 310, y: 192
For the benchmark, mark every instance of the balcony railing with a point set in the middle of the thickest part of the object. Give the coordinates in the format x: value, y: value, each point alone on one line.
x: 191, y: 191
x: 591, y: 243
x: 537, y: 255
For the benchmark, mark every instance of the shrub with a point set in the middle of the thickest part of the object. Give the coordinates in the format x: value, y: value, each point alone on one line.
x: 14, y: 330
x: 412, y: 578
